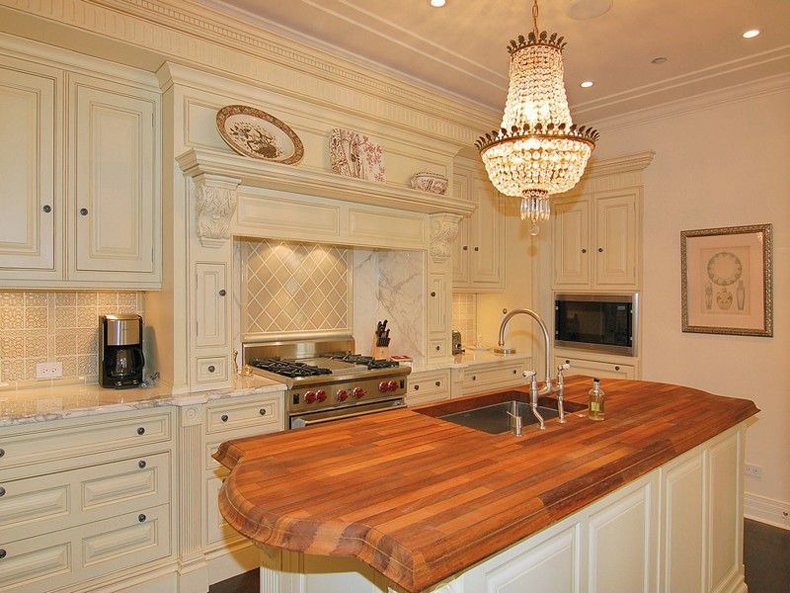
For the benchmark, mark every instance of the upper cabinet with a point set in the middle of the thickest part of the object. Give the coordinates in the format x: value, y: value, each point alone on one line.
x: 594, y: 240
x: 479, y: 249
x: 114, y: 199
x: 79, y: 160
x: 29, y: 152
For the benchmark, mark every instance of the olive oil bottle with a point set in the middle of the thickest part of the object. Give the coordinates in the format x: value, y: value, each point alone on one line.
x: 596, y: 395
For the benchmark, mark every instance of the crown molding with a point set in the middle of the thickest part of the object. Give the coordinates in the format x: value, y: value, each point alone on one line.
x: 771, y: 85
x: 623, y: 164
x: 210, y: 164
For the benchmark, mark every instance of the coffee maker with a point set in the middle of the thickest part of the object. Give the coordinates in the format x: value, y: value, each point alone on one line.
x: 121, y: 353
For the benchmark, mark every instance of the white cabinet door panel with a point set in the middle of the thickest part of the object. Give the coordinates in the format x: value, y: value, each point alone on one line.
x: 615, y: 217
x: 211, y: 305
x: 571, y: 227
x: 725, y: 516
x: 461, y: 243
x: 486, y: 234
x: 28, y: 201
x: 115, y: 204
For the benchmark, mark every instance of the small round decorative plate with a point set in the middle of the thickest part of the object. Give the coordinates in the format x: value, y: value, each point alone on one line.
x: 260, y: 135
x: 724, y: 268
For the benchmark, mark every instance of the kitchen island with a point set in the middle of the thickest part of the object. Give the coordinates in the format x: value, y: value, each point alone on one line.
x: 650, y: 499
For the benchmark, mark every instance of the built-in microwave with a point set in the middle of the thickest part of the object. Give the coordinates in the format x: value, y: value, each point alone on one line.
x: 600, y: 322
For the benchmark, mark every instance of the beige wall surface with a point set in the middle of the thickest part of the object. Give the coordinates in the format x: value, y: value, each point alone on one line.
x: 724, y: 165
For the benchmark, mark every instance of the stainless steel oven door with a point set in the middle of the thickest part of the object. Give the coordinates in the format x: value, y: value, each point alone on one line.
x: 312, y: 418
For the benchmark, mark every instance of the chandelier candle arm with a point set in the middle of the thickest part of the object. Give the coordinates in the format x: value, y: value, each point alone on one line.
x: 538, y: 150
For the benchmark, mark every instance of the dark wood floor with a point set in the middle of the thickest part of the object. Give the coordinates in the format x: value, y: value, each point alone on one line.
x: 766, y: 555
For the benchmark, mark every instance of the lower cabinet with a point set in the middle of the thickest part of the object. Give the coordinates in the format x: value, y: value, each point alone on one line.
x: 597, y: 368
x: 490, y: 377
x: 428, y: 387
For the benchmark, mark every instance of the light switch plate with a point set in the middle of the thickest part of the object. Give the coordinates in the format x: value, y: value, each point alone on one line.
x: 49, y: 370
x: 754, y: 471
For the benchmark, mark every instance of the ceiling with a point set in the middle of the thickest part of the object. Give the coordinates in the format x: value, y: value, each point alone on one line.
x: 461, y: 47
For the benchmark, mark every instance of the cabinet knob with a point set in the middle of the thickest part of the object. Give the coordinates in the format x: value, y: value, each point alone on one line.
x: 222, y: 292
x: 211, y: 368
x: 2, y: 554
x: 515, y: 371
x: 438, y: 348
x: 224, y: 417
x: 2, y: 491
x: 141, y: 518
x: 433, y: 294
x: 47, y: 208
x: 600, y: 250
x: 84, y: 211
x: 567, y: 361
x: 141, y: 431
x: 584, y: 251
x: 438, y: 384
x: 474, y: 377
x: 2, y: 452
x: 616, y: 368
x: 477, y: 249
x: 262, y: 411
x: 466, y: 247
x: 141, y: 464
x: 416, y: 387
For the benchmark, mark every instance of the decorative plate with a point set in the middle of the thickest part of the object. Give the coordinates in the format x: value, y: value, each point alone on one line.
x: 724, y: 268
x: 259, y: 135
x: 428, y: 181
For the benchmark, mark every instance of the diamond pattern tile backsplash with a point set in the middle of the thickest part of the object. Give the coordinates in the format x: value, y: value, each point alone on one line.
x: 290, y: 288
x: 47, y: 326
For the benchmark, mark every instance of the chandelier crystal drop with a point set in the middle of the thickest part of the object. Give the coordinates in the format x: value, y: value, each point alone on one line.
x: 538, y: 151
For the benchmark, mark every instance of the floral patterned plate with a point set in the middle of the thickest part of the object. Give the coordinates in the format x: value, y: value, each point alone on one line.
x: 259, y: 135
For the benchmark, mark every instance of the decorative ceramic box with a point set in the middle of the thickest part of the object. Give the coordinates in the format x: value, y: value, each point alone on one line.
x: 428, y: 181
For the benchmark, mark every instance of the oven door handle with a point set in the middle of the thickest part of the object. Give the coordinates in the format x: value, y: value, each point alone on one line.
x: 302, y: 422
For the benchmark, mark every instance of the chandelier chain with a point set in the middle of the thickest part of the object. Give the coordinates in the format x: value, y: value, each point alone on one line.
x: 535, y: 12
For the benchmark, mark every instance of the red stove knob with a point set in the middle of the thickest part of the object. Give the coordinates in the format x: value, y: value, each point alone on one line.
x: 384, y: 386
x: 392, y: 385
x: 309, y: 397
x: 321, y: 395
x: 342, y: 395
x: 358, y: 392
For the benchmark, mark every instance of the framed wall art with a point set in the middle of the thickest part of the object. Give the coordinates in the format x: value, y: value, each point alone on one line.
x: 727, y: 280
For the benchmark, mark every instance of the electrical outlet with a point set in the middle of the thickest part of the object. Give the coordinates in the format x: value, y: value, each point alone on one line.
x: 49, y: 370
x: 754, y: 471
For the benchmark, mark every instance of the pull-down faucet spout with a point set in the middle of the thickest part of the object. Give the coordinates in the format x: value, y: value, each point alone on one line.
x: 544, y: 331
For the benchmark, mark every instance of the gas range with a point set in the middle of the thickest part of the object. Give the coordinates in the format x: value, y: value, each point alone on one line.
x: 326, y: 381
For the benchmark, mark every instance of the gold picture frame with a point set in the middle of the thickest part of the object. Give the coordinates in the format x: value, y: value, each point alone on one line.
x: 727, y: 280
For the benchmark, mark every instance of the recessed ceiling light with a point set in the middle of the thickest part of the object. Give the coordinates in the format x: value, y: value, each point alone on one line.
x: 586, y: 84
x: 438, y: 3
x: 658, y: 60
x: 751, y: 33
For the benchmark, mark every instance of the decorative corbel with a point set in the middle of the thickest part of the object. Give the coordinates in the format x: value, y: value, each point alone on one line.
x: 215, y: 204
x: 444, y: 229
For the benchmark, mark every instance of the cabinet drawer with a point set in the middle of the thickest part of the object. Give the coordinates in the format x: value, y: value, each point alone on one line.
x: 266, y: 412
x: 489, y: 378
x: 428, y: 387
x: 43, y: 504
x: 69, y: 556
x: 598, y: 369
x: 437, y: 348
x: 211, y: 369
x: 55, y: 442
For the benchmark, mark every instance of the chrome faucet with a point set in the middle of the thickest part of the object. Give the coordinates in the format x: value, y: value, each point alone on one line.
x: 548, y: 387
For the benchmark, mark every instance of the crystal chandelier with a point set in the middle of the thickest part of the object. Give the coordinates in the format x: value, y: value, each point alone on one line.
x: 538, y: 151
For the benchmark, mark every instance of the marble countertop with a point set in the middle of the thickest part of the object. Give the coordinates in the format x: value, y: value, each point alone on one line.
x: 468, y: 359
x: 24, y: 403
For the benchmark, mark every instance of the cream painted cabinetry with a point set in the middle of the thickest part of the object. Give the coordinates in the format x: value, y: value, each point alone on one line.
x: 479, y: 247
x: 490, y: 377
x: 86, y: 502
x: 30, y: 117
x: 428, y: 387
x: 80, y: 162
x: 598, y: 368
x: 676, y: 529
x: 595, y: 240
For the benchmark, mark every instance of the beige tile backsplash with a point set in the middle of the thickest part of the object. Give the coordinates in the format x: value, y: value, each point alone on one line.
x: 290, y: 288
x: 465, y: 317
x: 47, y: 326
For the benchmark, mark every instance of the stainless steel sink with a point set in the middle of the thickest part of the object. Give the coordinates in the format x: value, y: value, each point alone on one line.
x: 494, y: 418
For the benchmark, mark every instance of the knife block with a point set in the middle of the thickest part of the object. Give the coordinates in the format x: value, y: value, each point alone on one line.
x: 380, y: 352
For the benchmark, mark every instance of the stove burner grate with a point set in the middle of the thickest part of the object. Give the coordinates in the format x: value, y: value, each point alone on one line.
x: 368, y: 361
x: 289, y: 368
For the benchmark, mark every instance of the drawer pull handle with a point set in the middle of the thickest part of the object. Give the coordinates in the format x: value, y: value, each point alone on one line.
x: 47, y: 208
x: 438, y: 348
x: 416, y: 387
x: 600, y: 250
x: 224, y: 417
x: 617, y: 368
x: 141, y: 518
x: 2, y: 554
x: 584, y: 251
x: 433, y: 294
x: 211, y: 368
x: 477, y: 249
x: 438, y: 383
x: 84, y: 211
x: 515, y: 371
x: 222, y: 292
x: 466, y: 247
x: 567, y: 361
x: 2, y: 491
x: 141, y: 431
x: 141, y: 464
x: 262, y: 411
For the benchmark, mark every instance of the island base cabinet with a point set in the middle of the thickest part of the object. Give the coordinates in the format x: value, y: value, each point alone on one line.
x: 676, y: 529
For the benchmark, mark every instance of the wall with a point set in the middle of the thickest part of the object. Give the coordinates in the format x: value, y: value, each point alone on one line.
x: 47, y: 326
x: 720, y: 165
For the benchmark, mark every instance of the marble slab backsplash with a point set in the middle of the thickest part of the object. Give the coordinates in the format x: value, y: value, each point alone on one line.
x: 49, y: 326
x: 390, y: 285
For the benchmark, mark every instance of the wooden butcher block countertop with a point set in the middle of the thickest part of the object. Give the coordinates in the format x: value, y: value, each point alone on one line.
x: 419, y: 499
